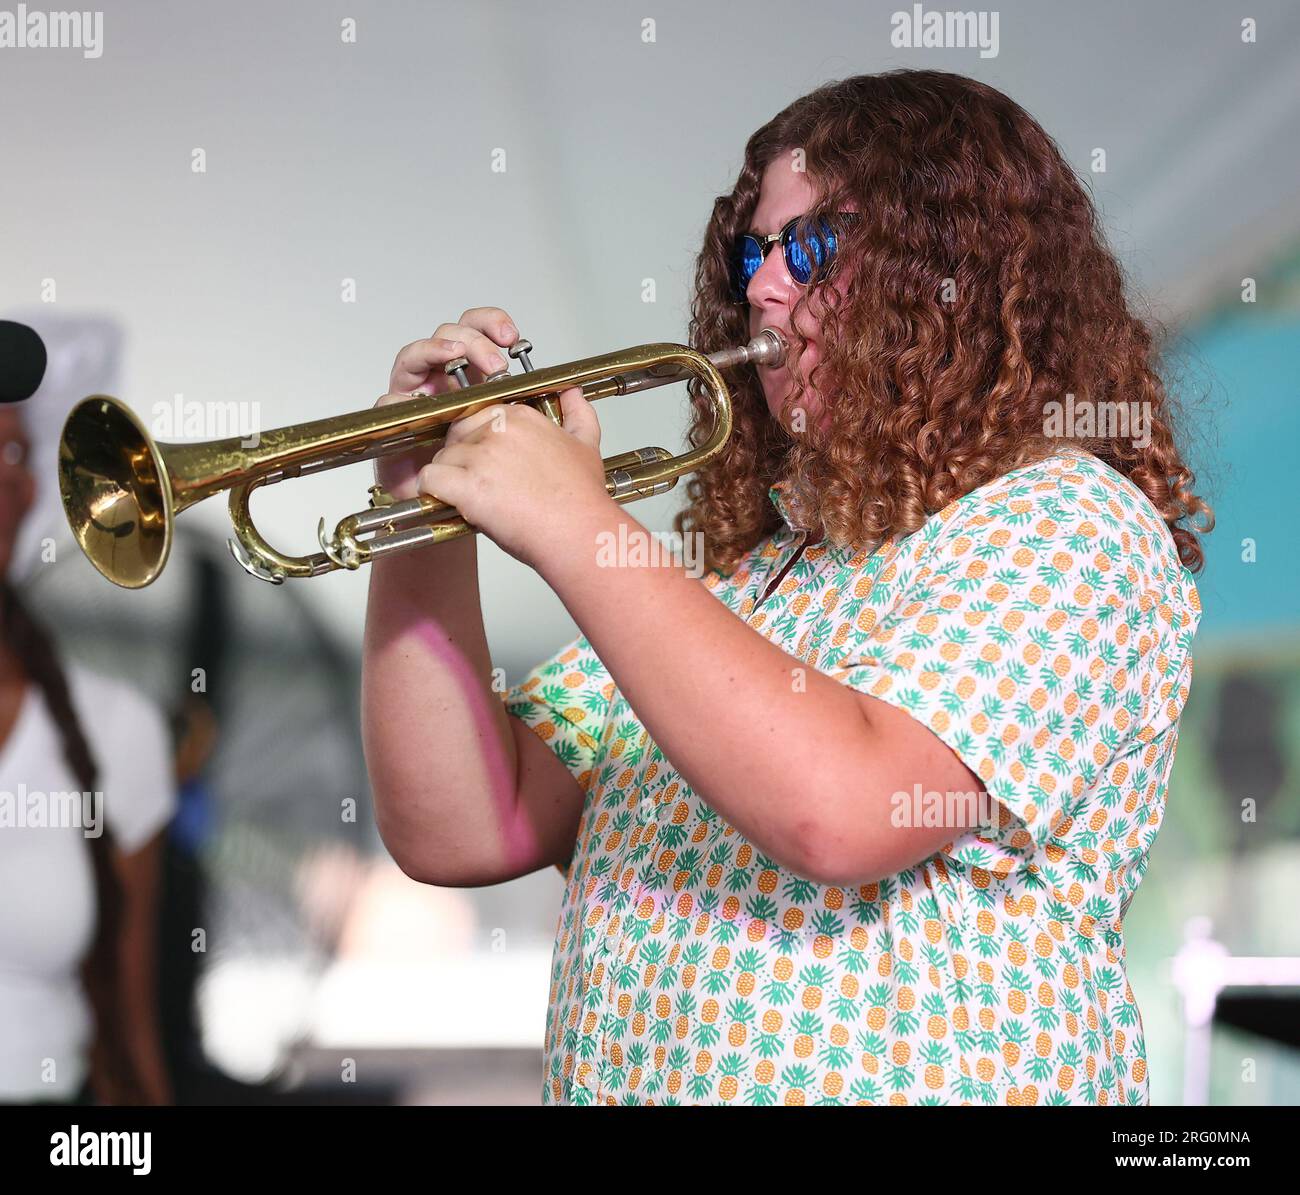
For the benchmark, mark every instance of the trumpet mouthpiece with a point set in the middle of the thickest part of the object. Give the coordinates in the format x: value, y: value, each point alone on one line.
x: 769, y: 348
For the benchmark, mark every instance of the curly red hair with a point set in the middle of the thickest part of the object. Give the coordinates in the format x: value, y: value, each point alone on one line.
x: 980, y: 289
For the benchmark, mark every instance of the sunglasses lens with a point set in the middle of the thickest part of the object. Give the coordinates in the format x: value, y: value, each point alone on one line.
x: 816, y: 249
x: 748, y: 259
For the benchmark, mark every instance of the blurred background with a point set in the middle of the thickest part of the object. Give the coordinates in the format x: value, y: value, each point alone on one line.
x: 261, y: 203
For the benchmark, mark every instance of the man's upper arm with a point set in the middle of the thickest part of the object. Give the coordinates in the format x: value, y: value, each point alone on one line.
x: 931, y: 795
x: 549, y: 797
x: 563, y: 704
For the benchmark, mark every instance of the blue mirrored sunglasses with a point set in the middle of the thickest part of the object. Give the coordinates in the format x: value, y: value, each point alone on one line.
x: 817, y: 248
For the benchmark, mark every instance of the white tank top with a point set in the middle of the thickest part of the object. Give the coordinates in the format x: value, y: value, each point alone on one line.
x: 47, y: 887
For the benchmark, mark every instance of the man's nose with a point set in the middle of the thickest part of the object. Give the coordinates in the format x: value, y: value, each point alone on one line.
x: 770, y: 286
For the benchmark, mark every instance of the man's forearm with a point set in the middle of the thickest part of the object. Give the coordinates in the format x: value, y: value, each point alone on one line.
x: 775, y: 746
x: 439, y: 749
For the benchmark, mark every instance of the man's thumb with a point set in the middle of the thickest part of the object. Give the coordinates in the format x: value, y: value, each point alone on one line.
x: 580, y: 417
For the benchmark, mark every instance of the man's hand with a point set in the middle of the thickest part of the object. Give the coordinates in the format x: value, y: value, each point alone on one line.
x: 518, y: 478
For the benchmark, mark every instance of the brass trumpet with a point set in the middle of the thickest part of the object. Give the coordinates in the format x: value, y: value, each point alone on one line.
x: 122, y: 490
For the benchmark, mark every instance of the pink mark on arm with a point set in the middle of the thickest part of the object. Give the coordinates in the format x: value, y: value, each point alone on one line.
x: 517, y: 837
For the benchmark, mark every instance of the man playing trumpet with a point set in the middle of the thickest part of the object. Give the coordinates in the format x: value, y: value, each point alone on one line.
x: 857, y: 817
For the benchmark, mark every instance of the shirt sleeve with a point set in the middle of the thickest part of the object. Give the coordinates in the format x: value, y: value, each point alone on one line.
x: 1042, y: 633
x: 565, y: 701
x: 133, y: 750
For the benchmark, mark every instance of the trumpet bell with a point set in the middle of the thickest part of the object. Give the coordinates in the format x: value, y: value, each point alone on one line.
x: 116, y: 491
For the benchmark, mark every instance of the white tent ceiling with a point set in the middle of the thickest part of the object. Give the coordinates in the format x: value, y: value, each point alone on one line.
x: 372, y: 161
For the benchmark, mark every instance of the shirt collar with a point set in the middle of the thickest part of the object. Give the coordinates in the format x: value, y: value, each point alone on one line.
x: 780, y: 496
x: 779, y: 493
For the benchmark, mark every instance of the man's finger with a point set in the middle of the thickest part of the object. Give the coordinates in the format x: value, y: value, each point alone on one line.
x: 417, y: 359
x: 445, y: 482
x: 580, y: 417
x: 464, y: 428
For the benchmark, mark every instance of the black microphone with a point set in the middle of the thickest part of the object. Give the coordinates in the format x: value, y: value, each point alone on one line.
x: 22, y: 361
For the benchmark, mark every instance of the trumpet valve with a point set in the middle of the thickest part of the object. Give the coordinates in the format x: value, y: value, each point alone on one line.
x: 519, y: 352
x: 455, y: 368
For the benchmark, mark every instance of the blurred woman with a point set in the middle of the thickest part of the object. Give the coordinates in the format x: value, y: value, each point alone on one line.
x: 85, y: 793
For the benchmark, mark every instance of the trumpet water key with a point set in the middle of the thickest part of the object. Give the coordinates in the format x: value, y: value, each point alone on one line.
x: 122, y: 490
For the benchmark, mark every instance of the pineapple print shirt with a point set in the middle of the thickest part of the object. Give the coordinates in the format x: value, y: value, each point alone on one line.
x: 1041, y: 627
